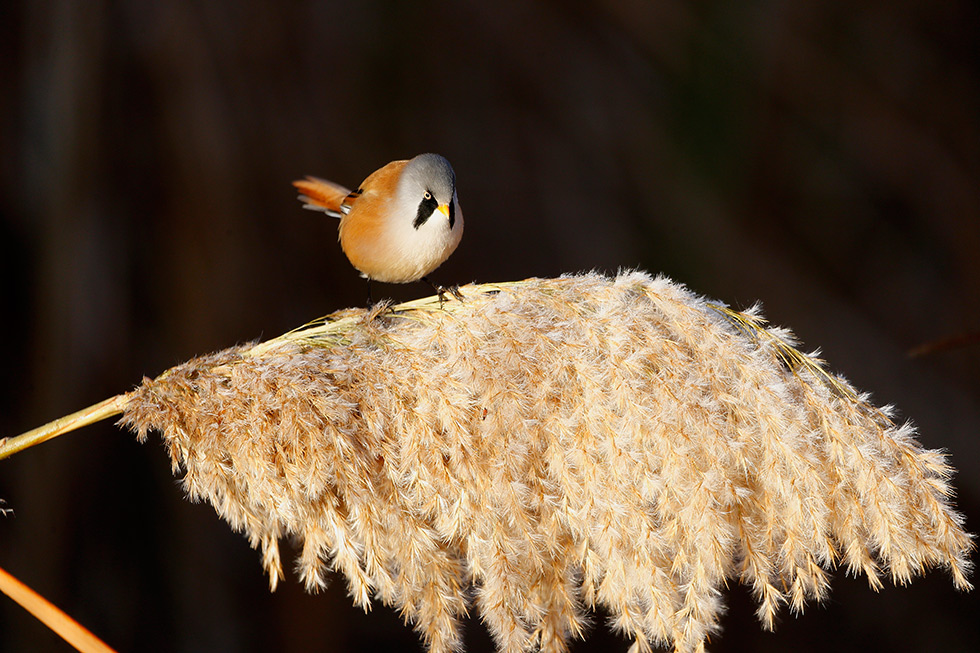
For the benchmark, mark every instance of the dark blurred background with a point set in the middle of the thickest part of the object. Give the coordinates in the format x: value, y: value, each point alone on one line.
x: 822, y: 157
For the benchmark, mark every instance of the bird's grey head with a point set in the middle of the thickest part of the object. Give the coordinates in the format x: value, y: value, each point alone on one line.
x: 430, y: 180
x: 434, y: 174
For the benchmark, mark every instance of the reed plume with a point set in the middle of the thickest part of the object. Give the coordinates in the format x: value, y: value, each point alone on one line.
x: 551, y: 446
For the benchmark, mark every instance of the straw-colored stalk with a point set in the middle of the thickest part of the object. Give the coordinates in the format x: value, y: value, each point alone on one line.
x: 550, y: 446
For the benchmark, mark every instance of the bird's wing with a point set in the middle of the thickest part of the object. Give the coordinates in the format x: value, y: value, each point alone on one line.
x: 322, y: 195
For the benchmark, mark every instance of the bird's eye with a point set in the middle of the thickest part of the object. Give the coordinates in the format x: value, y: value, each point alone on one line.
x: 427, y: 195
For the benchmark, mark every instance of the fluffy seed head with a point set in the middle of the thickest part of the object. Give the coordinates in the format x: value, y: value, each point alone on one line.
x: 553, y: 445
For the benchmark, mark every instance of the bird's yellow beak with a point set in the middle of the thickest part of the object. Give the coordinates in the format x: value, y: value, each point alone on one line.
x: 443, y: 209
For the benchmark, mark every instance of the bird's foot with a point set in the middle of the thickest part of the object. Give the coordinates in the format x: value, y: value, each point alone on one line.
x: 442, y: 291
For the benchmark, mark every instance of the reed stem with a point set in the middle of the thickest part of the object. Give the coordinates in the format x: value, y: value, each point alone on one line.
x: 94, y: 413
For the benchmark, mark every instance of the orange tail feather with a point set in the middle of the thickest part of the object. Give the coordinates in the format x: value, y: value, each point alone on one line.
x: 321, y: 195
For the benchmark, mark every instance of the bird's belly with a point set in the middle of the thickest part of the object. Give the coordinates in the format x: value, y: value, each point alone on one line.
x: 404, y: 258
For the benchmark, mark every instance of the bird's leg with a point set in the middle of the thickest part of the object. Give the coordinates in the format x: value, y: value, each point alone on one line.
x: 380, y: 307
x: 442, y: 290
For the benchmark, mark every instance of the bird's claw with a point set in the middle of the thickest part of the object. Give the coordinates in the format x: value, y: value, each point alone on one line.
x: 442, y: 291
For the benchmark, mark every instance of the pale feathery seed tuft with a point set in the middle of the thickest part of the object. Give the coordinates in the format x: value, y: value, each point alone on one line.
x: 551, y: 446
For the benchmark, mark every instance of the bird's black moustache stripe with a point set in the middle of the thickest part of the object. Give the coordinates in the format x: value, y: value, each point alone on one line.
x: 426, y: 207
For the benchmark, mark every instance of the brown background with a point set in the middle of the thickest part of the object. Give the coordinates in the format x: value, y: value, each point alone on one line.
x: 822, y: 157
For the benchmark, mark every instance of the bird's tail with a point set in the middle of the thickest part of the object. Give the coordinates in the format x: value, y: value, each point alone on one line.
x: 322, y: 195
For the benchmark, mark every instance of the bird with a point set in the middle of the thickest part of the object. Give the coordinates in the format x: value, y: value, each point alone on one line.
x: 400, y: 224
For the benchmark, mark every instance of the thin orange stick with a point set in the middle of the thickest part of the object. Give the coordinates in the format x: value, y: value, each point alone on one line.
x: 69, y: 629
